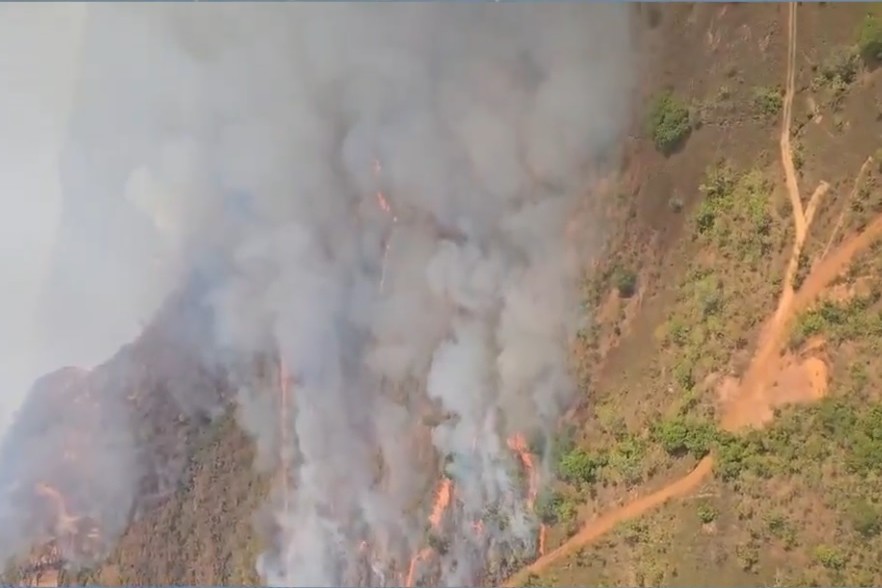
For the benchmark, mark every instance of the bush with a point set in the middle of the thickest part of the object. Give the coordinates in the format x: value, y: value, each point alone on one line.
x: 627, y: 459
x: 734, y: 454
x: 840, y: 68
x: 870, y: 38
x: 706, y: 513
x: 626, y: 282
x: 767, y: 101
x: 680, y: 436
x: 781, y: 528
x: 668, y: 122
x: 553, y: 507
x: 546, y: 506
x: 865, y: 518
x: 580, y: 467
x: 830, y: 557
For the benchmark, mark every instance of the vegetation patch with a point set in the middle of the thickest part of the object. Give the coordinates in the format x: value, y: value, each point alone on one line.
x: 668, y: 122
x: 767, y: 102
x: 870, y: 38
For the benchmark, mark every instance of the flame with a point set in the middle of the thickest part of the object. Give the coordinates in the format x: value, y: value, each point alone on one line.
x: 421, y: 555
x: 384, y: 205
x: 518, y: 444
x: 442, y: 501
x: 478, y: 527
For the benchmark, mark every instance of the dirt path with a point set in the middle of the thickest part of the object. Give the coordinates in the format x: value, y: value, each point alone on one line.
x: 786, y: 148
x: 751, y: 404
x: 602, y: 525
x: 748, y: 408
x: 857, y: 185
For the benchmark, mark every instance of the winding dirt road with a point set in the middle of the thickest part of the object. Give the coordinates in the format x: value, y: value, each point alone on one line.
x: 752, y: 402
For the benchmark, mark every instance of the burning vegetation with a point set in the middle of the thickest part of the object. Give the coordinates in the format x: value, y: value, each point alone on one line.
x: 406, y: 267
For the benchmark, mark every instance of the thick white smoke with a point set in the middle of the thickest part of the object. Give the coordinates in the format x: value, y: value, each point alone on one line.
x: 389, y: 186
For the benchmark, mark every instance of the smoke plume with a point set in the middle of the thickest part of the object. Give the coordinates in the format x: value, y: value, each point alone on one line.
x: 383, y: 197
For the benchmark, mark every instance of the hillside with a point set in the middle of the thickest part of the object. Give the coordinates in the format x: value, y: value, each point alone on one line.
x: 729, y: 435
x: 728, y: 427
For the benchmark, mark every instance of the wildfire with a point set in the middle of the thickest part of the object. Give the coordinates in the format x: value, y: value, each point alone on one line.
x: 421, y: 555
x: 478, y: 527
x: 384, y: 205
x: 518, y: 444
x: 442, y: 501
x: 443, y: 496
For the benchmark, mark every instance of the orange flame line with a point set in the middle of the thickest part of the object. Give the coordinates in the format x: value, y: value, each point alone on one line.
x: 411, y: 570
x: 442, y: 501
x: 384, y: 205
x: 518, y: 444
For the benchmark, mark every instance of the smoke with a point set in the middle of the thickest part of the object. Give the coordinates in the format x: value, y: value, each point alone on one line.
x: 388, y: 193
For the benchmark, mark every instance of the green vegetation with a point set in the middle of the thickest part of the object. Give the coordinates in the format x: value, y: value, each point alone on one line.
x: 668, y: 122
x: 839, y: 322
x: 870, y: 38
x: 580, y: 467
x: 625, y: 282
x: 707, y: 513
x: 553, y: 507
x: 865, y: 517
x: 782, y: 529
x: 734, y: 215
x: 830, y: 557
x: 837, y: 72
x: 767, y: 102
x: 680, y: 436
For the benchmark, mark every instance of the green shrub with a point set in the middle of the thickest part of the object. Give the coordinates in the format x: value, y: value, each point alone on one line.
x: 668, y: 122
x: 679, y: 436
x: 781, y: 528
x: 839, y: 69
x: 580, y: 467
x: 865, y: 518
x: 870, y: 38
x: 707, y: 513
x: 626, y: 282
x: 554, y: 507
x: 627, y: 459
x: 546, y: 506
x: 734, y: 454
x: 830, y: 557
x: 767, y: 101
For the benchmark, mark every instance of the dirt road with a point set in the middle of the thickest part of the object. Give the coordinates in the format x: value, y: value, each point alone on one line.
x: 752, y: 402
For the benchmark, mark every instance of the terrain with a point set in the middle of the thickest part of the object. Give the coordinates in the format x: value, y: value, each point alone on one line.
x: 729, y: 424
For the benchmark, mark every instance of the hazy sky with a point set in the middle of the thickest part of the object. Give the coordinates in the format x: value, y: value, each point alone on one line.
x: 39, y: 53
